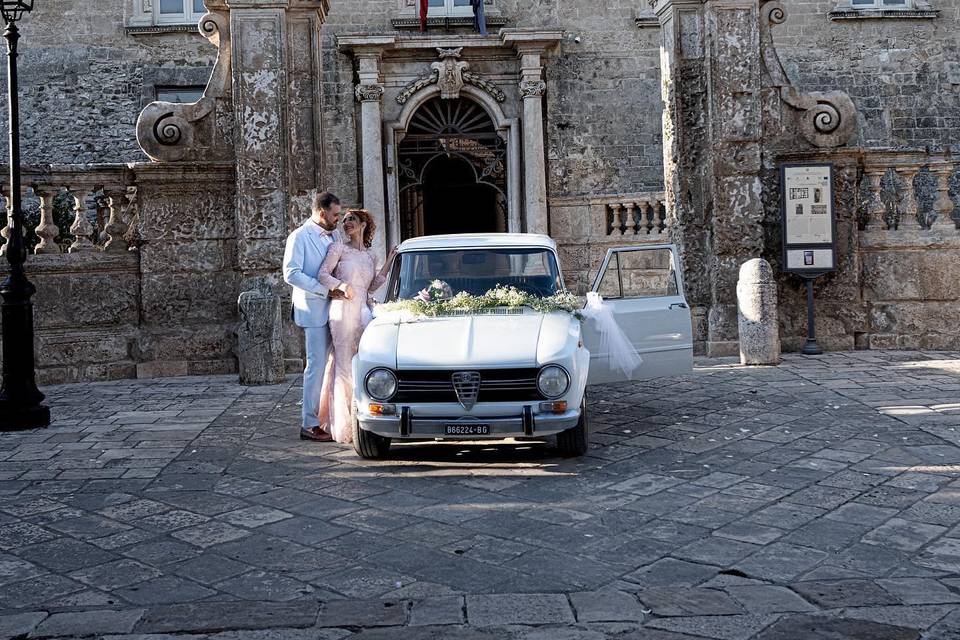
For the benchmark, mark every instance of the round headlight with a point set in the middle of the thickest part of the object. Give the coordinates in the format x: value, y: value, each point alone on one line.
x: 381, y: 384
x: 553, y: 381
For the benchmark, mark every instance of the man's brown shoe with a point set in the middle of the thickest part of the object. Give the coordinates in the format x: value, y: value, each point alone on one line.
x: 316, y: 434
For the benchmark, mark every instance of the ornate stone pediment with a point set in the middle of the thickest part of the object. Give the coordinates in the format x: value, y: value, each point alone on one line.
x: 451, y: 74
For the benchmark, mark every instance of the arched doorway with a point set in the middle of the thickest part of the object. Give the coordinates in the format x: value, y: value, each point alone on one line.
x: 452, y: 167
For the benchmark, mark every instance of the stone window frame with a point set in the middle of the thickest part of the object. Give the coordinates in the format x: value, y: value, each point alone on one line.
x: 909, y: 9
x: 162, y: 92
x: 155, y: 78
x: 450, y: 10
x: 407, y: 15
x: 145, y: 17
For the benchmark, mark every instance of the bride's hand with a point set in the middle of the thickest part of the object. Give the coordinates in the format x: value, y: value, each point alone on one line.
x: 348, y: 293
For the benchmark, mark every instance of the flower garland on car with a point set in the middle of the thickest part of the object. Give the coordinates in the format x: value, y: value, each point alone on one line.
x: 437, y: 299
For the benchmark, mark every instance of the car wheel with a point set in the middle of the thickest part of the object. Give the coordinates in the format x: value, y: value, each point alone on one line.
x: 369, y: 445
x: 576, y: 441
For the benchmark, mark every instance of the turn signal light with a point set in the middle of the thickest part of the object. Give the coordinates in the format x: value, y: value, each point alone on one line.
x: 377, y: 409
x: 553, y: 407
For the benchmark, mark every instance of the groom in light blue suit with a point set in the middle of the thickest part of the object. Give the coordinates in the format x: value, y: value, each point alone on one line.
x: 306, y: 249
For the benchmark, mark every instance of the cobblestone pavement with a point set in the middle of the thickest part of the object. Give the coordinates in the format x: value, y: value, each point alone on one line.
x: 818, y: 499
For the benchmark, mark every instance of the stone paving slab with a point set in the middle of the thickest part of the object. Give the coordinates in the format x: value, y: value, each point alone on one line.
x: 821, y: 495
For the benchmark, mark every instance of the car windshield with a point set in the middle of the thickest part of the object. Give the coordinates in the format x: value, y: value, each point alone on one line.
x: 476, y: 271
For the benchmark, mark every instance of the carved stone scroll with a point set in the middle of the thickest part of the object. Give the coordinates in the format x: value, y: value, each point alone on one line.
x: 173, y: 132
x: 532, y: 88
x: 473, y: 79
x: 367, y: 92
x: 420, y: 83
x: 827, y: 119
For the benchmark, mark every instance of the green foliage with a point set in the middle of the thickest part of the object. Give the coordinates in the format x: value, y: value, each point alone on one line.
x: 432, y: 303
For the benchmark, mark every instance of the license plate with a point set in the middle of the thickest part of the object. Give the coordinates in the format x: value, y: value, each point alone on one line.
x: 468, y: 430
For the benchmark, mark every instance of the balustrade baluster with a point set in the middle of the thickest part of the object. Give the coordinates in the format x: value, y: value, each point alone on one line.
x: 643, y: 214
x: 632, y: 227
x: 615, y: 227
x: 116, y: 227
x: 47, y: 230
x: 944, y: 204
x: 81, y: 227
x: 875, y: 207
x: 909, y: 207
x: 658, y: 224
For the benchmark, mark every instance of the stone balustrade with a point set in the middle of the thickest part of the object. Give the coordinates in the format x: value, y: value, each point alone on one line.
x: 908, y: 191
x: 102, y: 311
x: 638, y: 214
x: 76, y: 208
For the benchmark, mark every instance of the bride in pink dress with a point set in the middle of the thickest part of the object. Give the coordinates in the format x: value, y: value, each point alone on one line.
x: 350, y: 266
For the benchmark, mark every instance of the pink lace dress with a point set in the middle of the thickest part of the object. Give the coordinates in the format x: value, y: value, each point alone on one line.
x: 348, y: 318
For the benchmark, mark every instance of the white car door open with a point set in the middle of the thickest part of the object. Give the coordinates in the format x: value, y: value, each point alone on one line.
x: 643, y: 287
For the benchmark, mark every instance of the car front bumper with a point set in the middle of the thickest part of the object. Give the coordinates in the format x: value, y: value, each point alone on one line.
x: 433, y: 427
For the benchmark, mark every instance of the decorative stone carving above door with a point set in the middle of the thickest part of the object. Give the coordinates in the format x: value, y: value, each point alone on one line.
x: 450, y: 73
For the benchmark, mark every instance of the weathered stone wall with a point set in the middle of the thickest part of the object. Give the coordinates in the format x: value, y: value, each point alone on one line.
x: 168, y: 307
x: 188, y: 261
x: 902, y: 74
x: 86, y: 315
x: 602, y: 101
x: 84, y: 80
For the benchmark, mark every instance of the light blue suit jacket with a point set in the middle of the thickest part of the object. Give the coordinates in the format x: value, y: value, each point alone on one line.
x: 306, y: 249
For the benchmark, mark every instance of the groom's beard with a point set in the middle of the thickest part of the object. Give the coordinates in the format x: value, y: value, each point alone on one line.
x: 324, y: 225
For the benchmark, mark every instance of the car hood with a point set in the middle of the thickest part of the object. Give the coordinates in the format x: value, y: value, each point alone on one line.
x: 470, y: 341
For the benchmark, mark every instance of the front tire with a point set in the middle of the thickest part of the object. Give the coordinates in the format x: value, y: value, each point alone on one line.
x: 369, y: 445
x: 576, y: 441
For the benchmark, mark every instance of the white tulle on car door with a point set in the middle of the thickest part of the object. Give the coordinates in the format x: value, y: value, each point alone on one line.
x: 642, y: 288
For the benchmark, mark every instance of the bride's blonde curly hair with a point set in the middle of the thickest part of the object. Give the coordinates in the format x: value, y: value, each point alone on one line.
x: 367, y: 219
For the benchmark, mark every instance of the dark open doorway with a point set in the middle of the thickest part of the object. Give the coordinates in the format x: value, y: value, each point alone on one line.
x: 453, y: 200
x: 452, y: 171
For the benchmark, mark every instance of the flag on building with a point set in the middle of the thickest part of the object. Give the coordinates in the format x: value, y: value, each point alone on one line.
x: 424, y: 8
x: 479, y: 18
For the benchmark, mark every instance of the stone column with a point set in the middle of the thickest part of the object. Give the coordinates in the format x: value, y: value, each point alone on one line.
x: 532, y: 88
x: 710, y: 56
x: 369, y: 93
x: 687, y: 178
x: 276, y: 99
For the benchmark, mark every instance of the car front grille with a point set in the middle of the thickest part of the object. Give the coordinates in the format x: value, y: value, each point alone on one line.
x: 496, y: 385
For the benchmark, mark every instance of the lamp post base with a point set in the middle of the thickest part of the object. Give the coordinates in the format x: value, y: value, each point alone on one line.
x: 13, y: 418
x: 811, y: 348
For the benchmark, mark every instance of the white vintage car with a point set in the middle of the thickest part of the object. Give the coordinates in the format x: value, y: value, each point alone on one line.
x: 509, y: 373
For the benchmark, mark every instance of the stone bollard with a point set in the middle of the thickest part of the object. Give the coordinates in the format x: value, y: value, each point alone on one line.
x: 757, y: 312
x: 260, y: 338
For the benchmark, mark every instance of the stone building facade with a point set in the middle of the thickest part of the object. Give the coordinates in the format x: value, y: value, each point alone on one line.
x: 601, y: 123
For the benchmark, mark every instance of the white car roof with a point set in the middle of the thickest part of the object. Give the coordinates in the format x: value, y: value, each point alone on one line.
x: 479, y: 241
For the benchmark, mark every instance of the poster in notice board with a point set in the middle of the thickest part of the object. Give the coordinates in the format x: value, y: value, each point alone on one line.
x: 809, y: 228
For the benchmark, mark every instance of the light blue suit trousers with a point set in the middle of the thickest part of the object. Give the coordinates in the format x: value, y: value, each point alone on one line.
x: 306, y: 249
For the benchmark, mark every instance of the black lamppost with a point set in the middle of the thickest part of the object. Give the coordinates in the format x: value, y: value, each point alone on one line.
x: 20, y: 400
